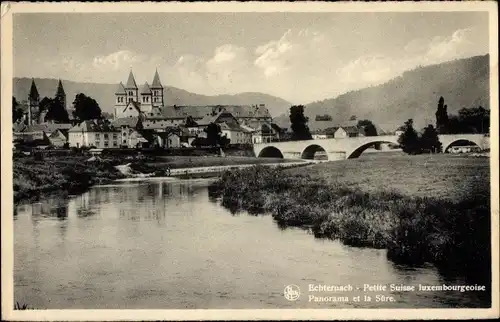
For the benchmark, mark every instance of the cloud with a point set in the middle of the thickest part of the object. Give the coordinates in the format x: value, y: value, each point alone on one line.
x: 462, y: 43
x: 375, y: 69
x: 295, y: 50
x: 366, y: 70
x: 119, y: 60
x: 301, y: 65
x: 229, y: 70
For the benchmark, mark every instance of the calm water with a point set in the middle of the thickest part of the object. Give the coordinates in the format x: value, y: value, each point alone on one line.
x: 165, y: 245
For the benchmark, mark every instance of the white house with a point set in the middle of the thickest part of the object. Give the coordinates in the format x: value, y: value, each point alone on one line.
x: 347, y: 131
x: 235, y: 133
x: 94, y: 133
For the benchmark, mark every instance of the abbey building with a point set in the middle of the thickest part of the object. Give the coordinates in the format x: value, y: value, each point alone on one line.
x: 148, y: 103
x: 130, y: 100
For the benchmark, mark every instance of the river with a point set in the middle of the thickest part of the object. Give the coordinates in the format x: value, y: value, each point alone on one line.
x: 166, y: 245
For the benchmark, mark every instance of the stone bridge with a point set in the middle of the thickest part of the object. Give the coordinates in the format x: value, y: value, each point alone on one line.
x: 348, y: 148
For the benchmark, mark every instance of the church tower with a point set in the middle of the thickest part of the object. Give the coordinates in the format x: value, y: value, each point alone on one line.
x: 131, y: 89
x: 157, y: 91
x: 146, y: 100
x: 33, y: 102
x: 120, y: 100
x: 61, y: 95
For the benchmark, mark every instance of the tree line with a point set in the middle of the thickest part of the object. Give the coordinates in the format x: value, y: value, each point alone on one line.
x: 301, y: 131
x: 468, y: 120
x: 85, y: 108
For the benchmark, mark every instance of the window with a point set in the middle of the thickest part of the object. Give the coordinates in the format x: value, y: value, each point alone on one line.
x: 97, y: 143
x: 130, y: 93
x: 115, y: 143
x: 115, y: 136
x: 97, y: 136
x: 106, y: 144
x: 106, y: 136
x: 124, y: 141
x: 130, y: 99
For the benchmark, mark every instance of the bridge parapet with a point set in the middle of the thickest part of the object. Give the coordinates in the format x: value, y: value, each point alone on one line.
x: 351, y: 147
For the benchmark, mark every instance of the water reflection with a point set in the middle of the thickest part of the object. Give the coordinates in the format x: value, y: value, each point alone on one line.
x: 167, y: 245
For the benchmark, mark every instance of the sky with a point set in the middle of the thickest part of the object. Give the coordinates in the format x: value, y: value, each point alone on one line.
x: 301, y: 57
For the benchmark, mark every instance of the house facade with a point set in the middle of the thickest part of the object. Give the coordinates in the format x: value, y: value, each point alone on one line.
x: 38, y: 132
x: 266, y: 132
x: 58, y: 138
x: 94, y: 133
x: 346, y: 132
x: 236, y: 134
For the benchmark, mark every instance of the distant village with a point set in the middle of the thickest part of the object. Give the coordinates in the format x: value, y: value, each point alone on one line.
x: 141, y: 120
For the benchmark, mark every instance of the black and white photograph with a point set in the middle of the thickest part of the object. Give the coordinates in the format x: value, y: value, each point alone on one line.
x: 193, y: 159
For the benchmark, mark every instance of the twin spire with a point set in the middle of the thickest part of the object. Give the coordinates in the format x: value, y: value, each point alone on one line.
x: 131, y: 84
x: 34, y: 95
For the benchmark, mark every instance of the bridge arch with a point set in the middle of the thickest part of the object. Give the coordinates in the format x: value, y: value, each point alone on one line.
x: 360, y: 149
x: 270, y: 152
x: 461, y: 142
x: 311, y: 150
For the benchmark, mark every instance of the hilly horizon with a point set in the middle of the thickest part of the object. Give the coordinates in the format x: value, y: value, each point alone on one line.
x: 414, y: 94
x: 104, y: 95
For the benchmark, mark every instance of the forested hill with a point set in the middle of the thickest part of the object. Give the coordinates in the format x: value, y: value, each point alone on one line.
x: 414, y: 94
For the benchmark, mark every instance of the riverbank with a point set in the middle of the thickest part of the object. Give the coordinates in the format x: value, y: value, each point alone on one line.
x: 34, y: 177
x: 351, y: 202
x: 202, y: 172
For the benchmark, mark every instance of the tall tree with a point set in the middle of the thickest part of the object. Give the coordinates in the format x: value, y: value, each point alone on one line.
x: 214, y: 136
x: 369, y: 127
x: 299, y: 123
x: 17, y: 112
x: 86, y: 108
x: 429, y: 141
x: 409, y: 140
x: 45, y: 103
x: 55, y: 111
x: 442, y: 116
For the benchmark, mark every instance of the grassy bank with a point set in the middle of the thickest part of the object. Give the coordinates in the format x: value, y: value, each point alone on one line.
x: 161, y: 163
x: 38, y: 176
x: 449, y: 232
x: 33, y: 178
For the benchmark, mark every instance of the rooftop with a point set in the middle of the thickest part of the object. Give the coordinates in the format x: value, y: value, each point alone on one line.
x: 94, y: 126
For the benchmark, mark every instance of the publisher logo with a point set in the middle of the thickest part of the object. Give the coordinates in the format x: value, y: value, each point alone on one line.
x: 292, y: 292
